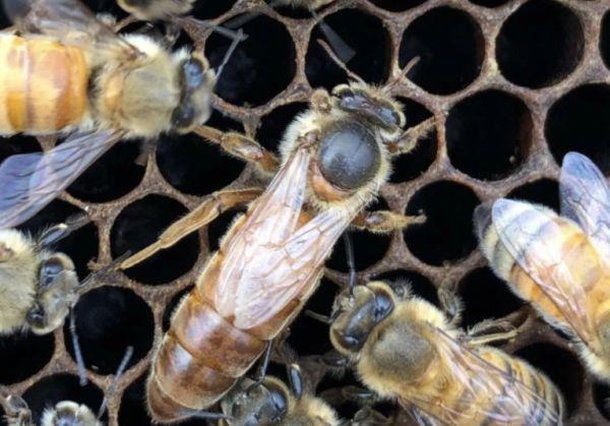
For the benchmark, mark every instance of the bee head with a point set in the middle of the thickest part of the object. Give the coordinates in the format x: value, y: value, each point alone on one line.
x: 251, y: 404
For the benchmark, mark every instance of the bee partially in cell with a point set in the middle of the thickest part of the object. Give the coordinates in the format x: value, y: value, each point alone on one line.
x: 404, y: 348
x: 271, y: 402
x: 64, y: 413
x: 559, y: 263
x: 67, y: 72
x: 335, y: 157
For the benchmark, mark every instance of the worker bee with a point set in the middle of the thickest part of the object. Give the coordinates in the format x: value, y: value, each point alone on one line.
x: 64, y: 413
x: 335, y: 157
x: 76, y: 75
x: 39, y: 285
x: 559, y: 263
x: 405, y: 348
x: 271, y: 402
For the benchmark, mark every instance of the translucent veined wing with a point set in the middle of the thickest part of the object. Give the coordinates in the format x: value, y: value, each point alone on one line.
x: 270, y: 261
x: 537, y: 239
x: 68, y: 20
x: 488, y: 392
x: 271, y: 220
x: 28, y: 182
x: 585, y: 199
x: 292, y: 270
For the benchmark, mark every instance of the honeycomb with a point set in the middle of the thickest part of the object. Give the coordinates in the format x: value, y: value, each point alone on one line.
x: 513, y: 86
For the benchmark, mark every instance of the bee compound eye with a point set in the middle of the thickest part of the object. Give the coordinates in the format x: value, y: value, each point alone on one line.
x: 49, y: 270
x: 184, y: 115
x: 35, y: 316
x: 192, y: 74
x: 349, y: 156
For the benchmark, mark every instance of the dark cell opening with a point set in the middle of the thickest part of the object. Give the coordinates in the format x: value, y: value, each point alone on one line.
x: 133, y: 407
x: 450, y: 46
x: 447, y: 234
x: 101, y: 183
x: 24, y: 355
x: 171, y: 307
x: 309, y: 336
x: 604, y: 42
x: 196, y: 166
x: 412, y: 164
x: 261, y: 66
x: 540, y: 44
x: 365, y: 35
x: 420, y: 285
x: 219, y: 227
x: 368, y: 248
x: 489, y: 3
x: 211, y: 9
x: 274, y: 124
x: 81, y: 245
x: 543, y: 191
x: 291, y: 12
x: 62, y: 387
x: 108, y: 320
x: 18, y: 145
x: 601, y: 396
x: 580, y: 121
x: 397, y: 6
x: 485, y: 296
x: 139, y: 225
x: 489, y: 134
x: 562, y: 367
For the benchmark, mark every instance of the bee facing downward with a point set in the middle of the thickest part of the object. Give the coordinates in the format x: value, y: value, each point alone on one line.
x: 404, y: 348
x: 271, y: 403
x: 67, y: 72
x: 335, y: 157
x: 39, y: 286
x: 560, y: 264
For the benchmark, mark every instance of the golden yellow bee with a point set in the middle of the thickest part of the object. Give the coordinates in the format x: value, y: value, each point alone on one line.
x: 560, y: 264
x: 404, y: 348
x: 67, y: 72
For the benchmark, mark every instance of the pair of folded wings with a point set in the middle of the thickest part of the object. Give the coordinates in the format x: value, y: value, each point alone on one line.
x: 28, y: 182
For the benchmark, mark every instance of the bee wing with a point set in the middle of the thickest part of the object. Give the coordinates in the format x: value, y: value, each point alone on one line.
x: 537, y: 240
x: 585, y: 199
x: 269, y: 261
x: 487, y: 391
x: 30, y: 181
x: 68, y: 20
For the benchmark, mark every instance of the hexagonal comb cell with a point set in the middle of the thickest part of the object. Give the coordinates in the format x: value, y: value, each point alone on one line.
x: 513, y: 86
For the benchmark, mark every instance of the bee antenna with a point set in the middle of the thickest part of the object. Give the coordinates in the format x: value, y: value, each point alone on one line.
x: 339, y: 62
x: 58, y: 232
x: 226, y: 31
x: 343, y: 51
x: 410, y: 65
x: 80, y: 362
x: 119, y: 372
x: 229, y: 53
x: 351, y: 264
x: 320, y: 317
x: 240, y: 21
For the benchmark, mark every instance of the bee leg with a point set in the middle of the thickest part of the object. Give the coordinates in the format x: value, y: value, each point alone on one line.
x: 409, y: 139
x: 207, y: 211
x: 491, y: 331
x: 18, y: 413
x: 241, y: 147
x: 452, y: 304
x: 368, y: 416
x: 320, y: 101
x: 262, y: 367
x: 385, y: 221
